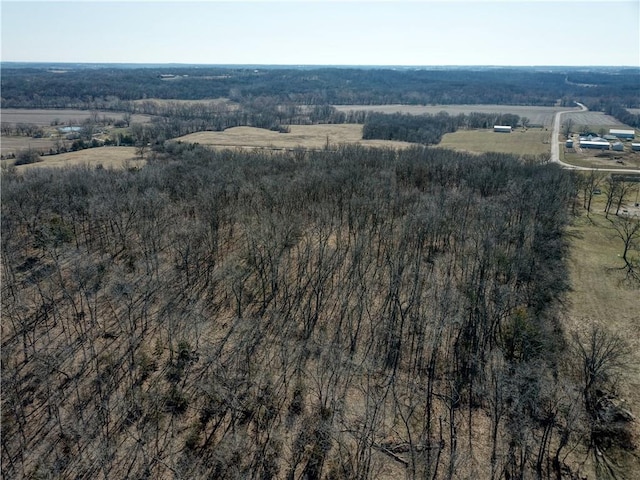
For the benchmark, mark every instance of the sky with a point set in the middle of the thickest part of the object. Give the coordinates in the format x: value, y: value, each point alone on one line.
x: 328, y: 32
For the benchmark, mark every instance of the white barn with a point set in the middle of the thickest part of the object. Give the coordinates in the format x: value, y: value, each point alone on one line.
x: 597, y: 143
x: 622, y: 133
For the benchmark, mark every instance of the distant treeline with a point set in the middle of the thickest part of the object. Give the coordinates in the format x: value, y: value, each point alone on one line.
x: 114, y: 88
x: 428, y: 129
x: 624, y: 115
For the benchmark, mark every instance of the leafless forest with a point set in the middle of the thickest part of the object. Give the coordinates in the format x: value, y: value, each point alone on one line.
x: 347, y: 313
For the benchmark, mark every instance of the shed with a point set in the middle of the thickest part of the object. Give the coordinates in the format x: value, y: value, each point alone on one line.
x: 569, y: 144
x: 617, y: 146
x: 502, y: 128
x: 635, y: 147
x: 622, y: 133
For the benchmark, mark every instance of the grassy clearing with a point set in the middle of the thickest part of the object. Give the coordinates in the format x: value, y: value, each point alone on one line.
x: 108, y: 157
x: 300, y: 136
x: 13, y: 144
x: 597, y: 159
x: 601, y: 297
x: 533, y: 141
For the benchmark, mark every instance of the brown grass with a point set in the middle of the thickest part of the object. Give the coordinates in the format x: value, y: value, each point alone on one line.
x: 300, y: 136
x: 13, y: 144
x: 108, y: 157
x: 600, y: 296
x: 533, y: 141
x: 599, y: 159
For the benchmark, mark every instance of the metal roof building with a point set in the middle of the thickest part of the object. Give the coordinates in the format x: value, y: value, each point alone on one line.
x: 622, y: 133
x: 598, y: 143
x: 502, y: 128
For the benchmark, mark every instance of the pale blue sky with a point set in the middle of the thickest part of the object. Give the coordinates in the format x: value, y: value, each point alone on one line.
x: 303, y: 32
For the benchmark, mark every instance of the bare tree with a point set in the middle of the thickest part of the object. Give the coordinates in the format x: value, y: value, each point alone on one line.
x: 590, y: 185
x: 628, y: 230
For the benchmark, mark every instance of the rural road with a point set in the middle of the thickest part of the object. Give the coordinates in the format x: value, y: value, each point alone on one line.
x: 555, y: 146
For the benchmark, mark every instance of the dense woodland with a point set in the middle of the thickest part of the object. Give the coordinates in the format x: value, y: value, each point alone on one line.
x: 108, y: 87
x: 352, y: 313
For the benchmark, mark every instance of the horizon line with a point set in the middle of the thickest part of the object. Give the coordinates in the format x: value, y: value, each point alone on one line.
x: 169, y: 64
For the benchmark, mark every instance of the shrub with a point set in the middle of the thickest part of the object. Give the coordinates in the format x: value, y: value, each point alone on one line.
x: 25, y: 157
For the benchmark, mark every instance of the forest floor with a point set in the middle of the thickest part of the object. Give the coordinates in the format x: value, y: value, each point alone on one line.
x: 602, y: 296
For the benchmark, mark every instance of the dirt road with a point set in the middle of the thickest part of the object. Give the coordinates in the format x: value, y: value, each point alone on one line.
x: 555, y: 146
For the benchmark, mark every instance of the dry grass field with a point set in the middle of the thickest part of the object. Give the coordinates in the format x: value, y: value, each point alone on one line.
x: 13, y: 144
x: 599, y: 159
x: 533, y: 141
x: 45, y: 117
x: 599, y: 119
x: 601, y: 297
x: 300, y: 136
x: 108, y: 157
x: 536, y: 115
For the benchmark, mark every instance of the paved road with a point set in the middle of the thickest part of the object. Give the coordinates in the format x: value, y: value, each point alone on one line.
x: 555, y: 146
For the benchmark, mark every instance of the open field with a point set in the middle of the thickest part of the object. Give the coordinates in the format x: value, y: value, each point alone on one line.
x: 45, y: 117
x: 13, y: 144
x: 108, y: 157
x: 533, y: 141
x: 583, y: 157
x: 536, y: 115
x: 592, y: 118
x: 304, y: 136
x: 599, y: 297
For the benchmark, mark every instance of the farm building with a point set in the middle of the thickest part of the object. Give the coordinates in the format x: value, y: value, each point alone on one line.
x: 610, y: 137
x: 595, y: 142
x: 622, y: 133
x: 502, y: 128
x: 635, y: 147
x: 569, y: 143
x: 617, y: 146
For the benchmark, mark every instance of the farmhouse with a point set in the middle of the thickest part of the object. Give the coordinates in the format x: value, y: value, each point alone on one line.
x: 502, y: 128
x: 595, y: 142
x: 622, y: 133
